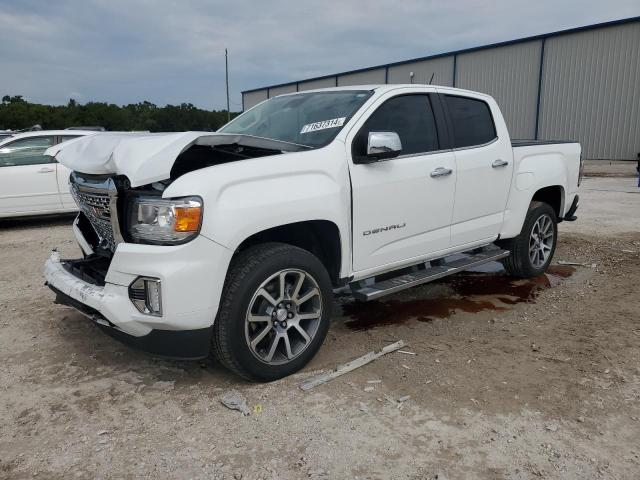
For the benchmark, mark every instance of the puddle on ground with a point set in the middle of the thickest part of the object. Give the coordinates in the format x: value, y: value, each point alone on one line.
x: 472, y: 292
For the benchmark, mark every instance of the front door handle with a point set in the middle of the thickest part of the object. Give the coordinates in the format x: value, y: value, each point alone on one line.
x: 441, y: 172
x: 45, y: 170
x: 499, y: 163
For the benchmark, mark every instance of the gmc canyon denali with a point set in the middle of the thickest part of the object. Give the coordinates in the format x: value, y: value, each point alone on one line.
x: 232, y: 242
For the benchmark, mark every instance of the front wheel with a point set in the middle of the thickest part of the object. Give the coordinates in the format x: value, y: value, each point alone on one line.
x: 274, y: 312
x: 533, y: 249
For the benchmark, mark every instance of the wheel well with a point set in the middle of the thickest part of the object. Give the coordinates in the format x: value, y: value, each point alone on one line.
x: 320, y: 237
x: 553, y: 196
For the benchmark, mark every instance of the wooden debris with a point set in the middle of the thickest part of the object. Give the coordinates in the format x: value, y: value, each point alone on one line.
x: 348, y: 367
x: 577, y: 264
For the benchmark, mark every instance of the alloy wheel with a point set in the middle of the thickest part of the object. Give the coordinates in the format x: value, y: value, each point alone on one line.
x: 541, y: 241
x: 283, y: 316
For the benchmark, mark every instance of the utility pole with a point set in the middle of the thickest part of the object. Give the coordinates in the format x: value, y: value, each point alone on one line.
x: 226, y: 71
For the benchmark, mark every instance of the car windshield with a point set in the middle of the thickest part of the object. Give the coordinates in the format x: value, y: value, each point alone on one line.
x: 310, y: 119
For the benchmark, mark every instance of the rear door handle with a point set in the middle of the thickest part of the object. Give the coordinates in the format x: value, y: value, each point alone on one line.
x: 441, y: 172
x: 45, y: 170
x: 499, y: 163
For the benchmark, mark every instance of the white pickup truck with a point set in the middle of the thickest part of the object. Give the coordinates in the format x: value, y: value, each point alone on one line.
x: 232, y: 242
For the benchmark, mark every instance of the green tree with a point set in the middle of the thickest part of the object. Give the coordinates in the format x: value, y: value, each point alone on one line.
x: 17, y: 113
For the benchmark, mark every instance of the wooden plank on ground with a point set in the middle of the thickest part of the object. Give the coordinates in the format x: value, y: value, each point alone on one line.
x: 348, y: 367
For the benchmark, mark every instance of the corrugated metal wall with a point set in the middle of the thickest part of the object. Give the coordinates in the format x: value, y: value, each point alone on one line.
x: 370, y: 77
x: 313, y: 84
x: 249, y: 99
x: 274, y: 92
x: 441, y: 69
x: 591, y: 91
x: 510, y: 75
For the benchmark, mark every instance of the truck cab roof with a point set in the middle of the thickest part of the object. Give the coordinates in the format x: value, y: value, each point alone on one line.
x: 383, y: 88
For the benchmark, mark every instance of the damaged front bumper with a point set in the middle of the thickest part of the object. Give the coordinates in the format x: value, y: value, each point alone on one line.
x: 90, y: 300
x: 85, y: 297
x: 192, y: 277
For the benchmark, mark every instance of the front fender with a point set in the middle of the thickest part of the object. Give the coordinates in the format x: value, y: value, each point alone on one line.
x: 248, y: 196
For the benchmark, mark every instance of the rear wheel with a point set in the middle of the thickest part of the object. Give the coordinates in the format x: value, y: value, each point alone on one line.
x: 275, y: 312
x: 532, y: 250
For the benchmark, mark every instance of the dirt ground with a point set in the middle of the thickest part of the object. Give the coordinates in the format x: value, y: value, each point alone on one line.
x: 513, y: 380
x: 613, y: 168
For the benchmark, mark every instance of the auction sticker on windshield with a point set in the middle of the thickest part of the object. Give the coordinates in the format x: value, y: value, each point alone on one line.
x: 313, y: 127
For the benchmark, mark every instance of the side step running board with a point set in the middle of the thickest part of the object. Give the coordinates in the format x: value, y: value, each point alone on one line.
x: 408, y: 280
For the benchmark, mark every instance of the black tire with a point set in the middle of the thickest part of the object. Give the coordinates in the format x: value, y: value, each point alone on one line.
x: 519, y: 263
x: 247, y: 273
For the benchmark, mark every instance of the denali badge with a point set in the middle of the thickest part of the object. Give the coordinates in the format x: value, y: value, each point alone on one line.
x: 384, y: 229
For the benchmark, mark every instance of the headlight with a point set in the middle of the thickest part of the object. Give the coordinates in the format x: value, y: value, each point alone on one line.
x: 164, y: 221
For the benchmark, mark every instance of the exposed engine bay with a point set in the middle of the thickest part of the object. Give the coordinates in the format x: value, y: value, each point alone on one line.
x: 202, y: 156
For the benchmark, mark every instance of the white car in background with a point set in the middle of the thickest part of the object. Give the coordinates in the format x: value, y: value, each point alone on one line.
x: 32, y: 183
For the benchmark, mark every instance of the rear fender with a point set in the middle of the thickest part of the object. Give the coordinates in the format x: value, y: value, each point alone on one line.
x: 534, y: 172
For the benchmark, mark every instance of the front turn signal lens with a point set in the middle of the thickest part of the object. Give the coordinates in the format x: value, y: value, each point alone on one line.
x: 188, y: 218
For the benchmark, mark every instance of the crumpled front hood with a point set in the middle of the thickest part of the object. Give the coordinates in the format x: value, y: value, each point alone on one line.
x: 144, y: 157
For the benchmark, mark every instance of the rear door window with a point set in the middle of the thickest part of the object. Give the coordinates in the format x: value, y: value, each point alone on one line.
x: 26, y: 151
x: 64, y: 138
x: 472, y: 121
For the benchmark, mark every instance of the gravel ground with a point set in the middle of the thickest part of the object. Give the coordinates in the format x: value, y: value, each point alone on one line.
x: 517, y: 380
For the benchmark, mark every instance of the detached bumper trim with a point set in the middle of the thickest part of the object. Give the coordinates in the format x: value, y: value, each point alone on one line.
x: 175, y: 344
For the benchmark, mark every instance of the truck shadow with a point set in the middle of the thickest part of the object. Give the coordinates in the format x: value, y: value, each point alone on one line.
x: 39, y: 221
x: 468, y: 292
x: 97, y: 355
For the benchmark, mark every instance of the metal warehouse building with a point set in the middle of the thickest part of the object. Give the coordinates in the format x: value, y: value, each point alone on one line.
x: 580, y: 84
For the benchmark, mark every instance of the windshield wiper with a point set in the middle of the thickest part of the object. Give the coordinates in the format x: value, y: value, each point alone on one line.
x: 280, y: 141
x: 250, y: 141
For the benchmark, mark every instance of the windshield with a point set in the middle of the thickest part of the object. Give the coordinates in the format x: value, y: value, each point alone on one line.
x: 311, y: 119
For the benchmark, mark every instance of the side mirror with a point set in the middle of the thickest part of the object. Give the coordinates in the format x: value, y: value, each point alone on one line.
x: 381, y: 146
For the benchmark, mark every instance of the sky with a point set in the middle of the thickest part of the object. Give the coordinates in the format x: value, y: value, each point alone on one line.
x: 172, y: 52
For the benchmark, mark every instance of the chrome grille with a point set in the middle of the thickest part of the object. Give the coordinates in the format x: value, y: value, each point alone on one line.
x: 95, y: 201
